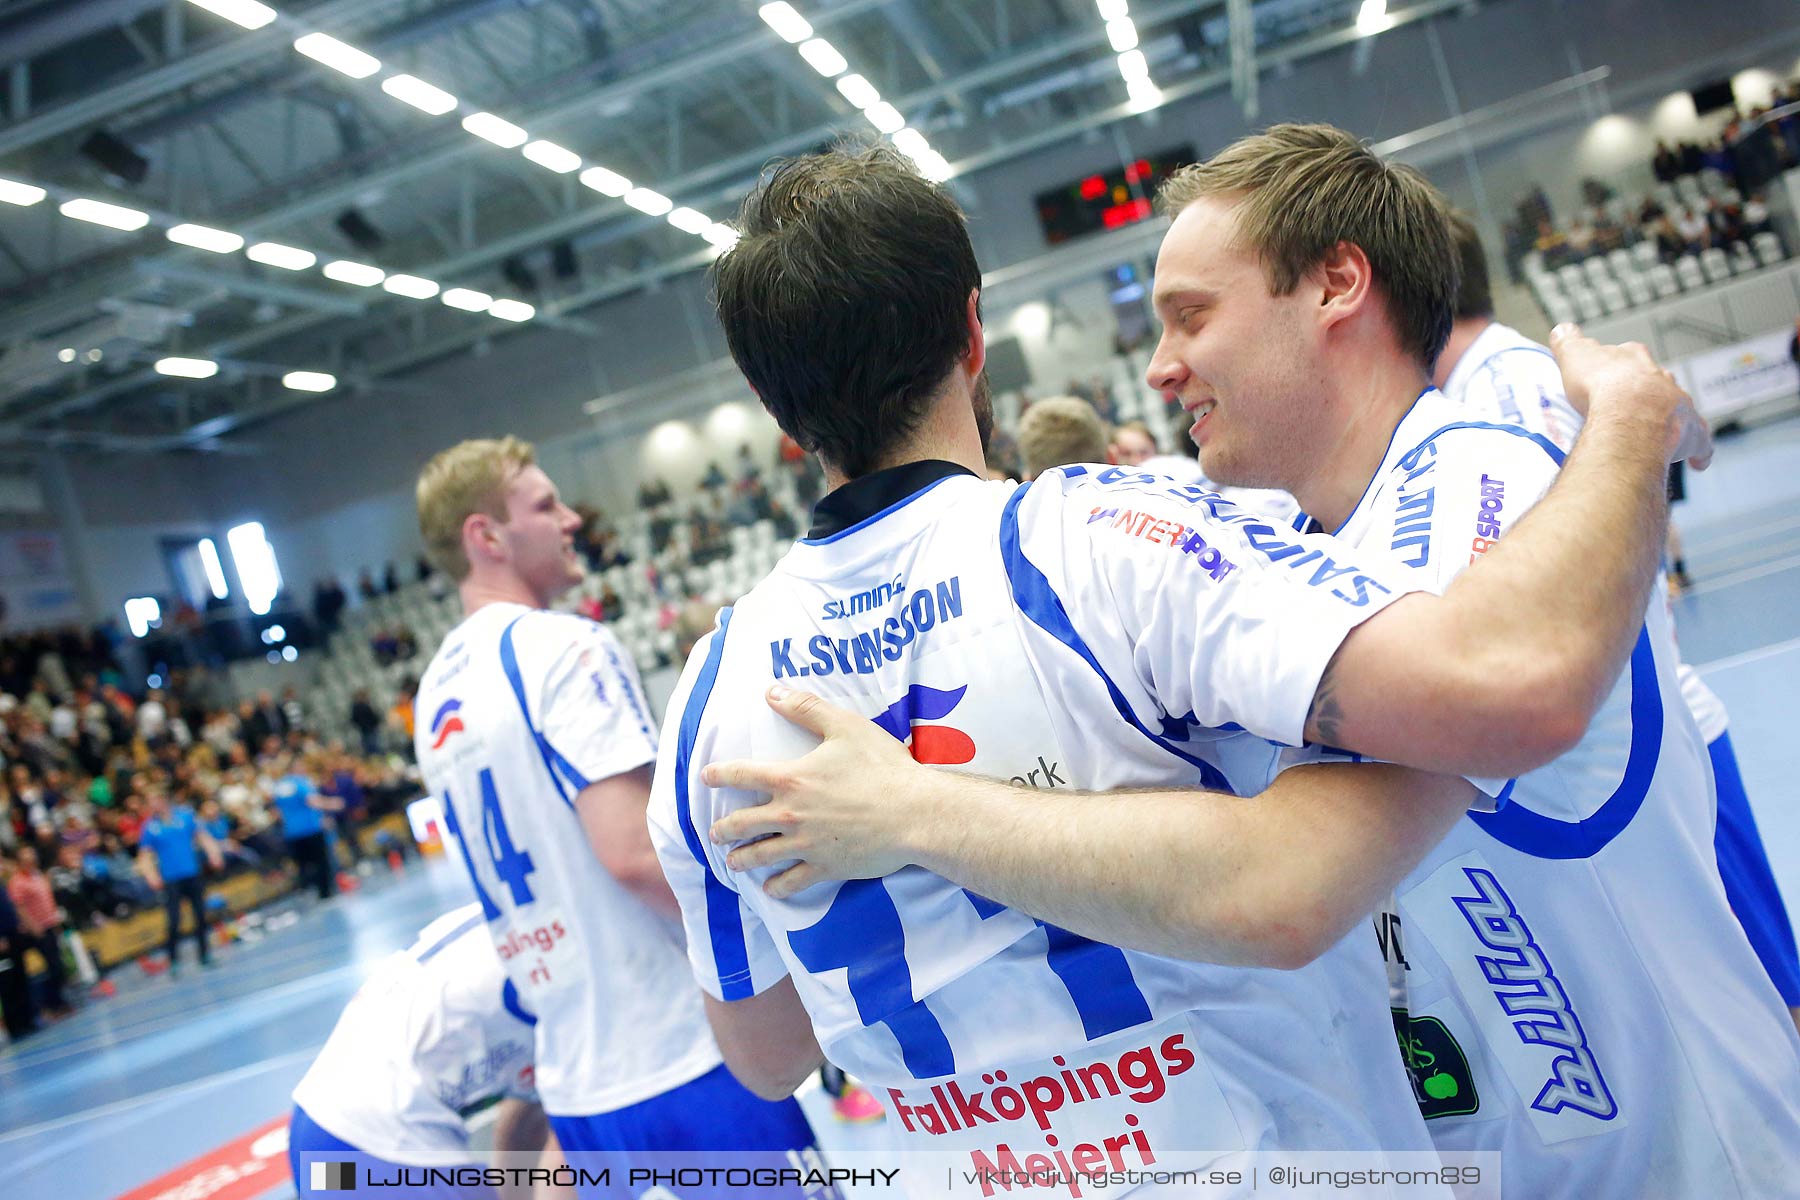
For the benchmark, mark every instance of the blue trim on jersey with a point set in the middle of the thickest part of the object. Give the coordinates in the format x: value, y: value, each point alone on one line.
x: 1369, y: 486
x: 432, y: 951
x: 1410, y: 459
x: 1534, y: 348
x: 1749, y: 882
x: 509, y: 1000
x: 724, y: 923
x: 891, y: 509
x: 554, y: 762
x: 1546, y: 837
x: 1038, y: 601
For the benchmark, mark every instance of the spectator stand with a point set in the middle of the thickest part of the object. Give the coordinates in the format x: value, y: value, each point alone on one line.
x: 1641, y: 275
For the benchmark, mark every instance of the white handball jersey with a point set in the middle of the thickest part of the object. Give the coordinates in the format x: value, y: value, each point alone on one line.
x: 1704, y: 703
x: 437, y: 1029
x: 1071, y: 633
x: 1580, y: 996
x: 1508, y: 378
x: 1515, y: 381
x: 518, y: 711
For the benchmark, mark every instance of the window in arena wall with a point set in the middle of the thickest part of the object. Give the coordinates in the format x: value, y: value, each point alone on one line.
x: 254, y: 559
x: 143, y: 614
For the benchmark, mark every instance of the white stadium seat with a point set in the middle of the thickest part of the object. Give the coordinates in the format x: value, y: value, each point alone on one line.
x: 1715, y: 264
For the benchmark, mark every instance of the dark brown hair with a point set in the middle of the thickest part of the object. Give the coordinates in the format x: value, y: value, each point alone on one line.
x: 844, y: 300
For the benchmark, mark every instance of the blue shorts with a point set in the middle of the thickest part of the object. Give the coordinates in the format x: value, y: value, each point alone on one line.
x: 1749, y: 883
x: 310, y: 1144
x: 712, y: 1121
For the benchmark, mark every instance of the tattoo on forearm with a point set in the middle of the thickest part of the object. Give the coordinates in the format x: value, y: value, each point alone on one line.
x: 1326, y: 716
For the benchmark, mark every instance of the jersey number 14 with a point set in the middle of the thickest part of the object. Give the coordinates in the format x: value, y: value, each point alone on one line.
x: 512, y: 866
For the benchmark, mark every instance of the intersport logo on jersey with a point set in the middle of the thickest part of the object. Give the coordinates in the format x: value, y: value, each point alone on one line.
x: 1110, y: 1109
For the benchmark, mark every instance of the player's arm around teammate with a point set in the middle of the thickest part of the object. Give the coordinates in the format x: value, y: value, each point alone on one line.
x: 1271, y: 883
x: 1502, y: 673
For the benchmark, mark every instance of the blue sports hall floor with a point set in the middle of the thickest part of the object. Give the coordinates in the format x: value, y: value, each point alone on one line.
x: 136, y: 1085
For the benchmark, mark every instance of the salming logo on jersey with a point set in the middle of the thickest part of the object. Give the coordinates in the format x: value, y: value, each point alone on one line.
x: 864, y: 652
x: 1528, y: 990
x: 862, y: 602
x: 1487, y: 521
x: 1416, y: 502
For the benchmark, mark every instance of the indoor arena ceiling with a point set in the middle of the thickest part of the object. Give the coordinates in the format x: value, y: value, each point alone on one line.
x: 428, y: 174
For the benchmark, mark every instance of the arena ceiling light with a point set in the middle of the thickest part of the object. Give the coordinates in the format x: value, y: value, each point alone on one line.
x: 690, y: 220
x: 647, y: 201
x: 410, y: 286
x: 98, y: 212
x: 489, y: 128
x: 425, y: 97
x: 202, y: 237
x: 885, y: 117
x: 467, y: 299
x: 858, y: 91
x: 355, y: 273
x: 782, y: 18
x: 722, y: 236
x: 823, y: 57
x: 309, y: 381
x: 274, y: 254
x: 187, y: 368
x: 339, y: 56
x: 552, y: 156
x: 247, y: 13
x: 1141, y: 92
x: 22, y: 194
x: 1144, y: 95
x: 1371, y: 18
x: 607, y: 183
x: 512, y: 310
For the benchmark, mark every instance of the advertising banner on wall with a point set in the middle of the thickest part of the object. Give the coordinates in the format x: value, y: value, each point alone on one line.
x: 1726, y: 381
x: 35, y: 585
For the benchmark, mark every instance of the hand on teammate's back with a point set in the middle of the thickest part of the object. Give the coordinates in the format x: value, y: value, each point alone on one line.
x: 841, y: 811
x: 1628, y: 375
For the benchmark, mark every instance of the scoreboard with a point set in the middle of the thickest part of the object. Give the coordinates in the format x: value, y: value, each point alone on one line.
x: 1111, y: 200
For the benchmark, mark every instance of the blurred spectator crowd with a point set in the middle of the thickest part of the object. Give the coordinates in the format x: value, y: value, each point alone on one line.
x: 85, y: 764
x: 1706, y: 218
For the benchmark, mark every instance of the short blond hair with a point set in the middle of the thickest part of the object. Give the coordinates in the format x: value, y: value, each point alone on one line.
x: 1058, y: 431
x: 1303, y: 189
x: 470, y: 477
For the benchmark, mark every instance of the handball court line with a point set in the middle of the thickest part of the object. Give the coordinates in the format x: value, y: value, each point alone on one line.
x: 160, y: 1097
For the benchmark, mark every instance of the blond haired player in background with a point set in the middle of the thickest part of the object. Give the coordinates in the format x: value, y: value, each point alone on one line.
x: 534, y: 731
